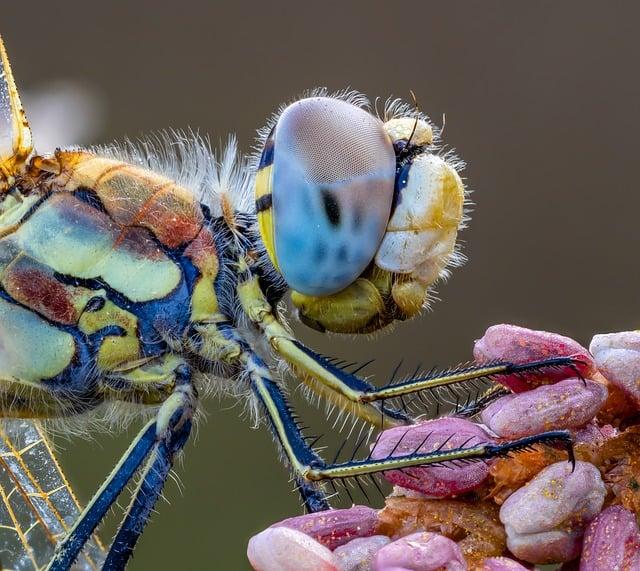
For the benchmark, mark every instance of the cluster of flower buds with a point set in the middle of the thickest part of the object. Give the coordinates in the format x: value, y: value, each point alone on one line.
x: 509, y: 513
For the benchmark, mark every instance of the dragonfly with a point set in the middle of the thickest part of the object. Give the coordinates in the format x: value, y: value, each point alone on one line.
x: 143, y: 277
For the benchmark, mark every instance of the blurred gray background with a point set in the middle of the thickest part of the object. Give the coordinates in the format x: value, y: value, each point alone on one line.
x: 541, y: 99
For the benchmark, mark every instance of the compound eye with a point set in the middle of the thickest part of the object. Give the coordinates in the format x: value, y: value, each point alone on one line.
x: 329, y: 169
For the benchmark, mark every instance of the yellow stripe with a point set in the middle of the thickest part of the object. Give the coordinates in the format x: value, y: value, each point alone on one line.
x: 265, y: 217
x: 274, y: 414
x: 396, y: 463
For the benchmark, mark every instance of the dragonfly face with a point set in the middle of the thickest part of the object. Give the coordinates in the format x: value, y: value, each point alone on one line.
x: 359, y: 215
x: 130, y: 276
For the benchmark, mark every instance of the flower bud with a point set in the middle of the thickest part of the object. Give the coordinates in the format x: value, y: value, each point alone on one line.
x: 545, y: 519
x: 571, y: 403
x: 357, y: 555
x: 520, y: 345
x: 422, y: 551
x: 284, y: 549
x: 612, y: 541
x: 333, y: 528
x: 500, y: 564
x: 445, y: 433
x: 617, y: 356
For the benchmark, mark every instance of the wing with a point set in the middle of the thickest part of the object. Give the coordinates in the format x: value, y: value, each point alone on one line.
x: 15, y: 135
x: 37, y: 505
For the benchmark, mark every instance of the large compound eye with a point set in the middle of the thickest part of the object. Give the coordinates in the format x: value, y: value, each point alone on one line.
x: 323, y: 193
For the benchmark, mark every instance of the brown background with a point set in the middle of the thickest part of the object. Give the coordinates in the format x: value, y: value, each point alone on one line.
x: 541, y: 100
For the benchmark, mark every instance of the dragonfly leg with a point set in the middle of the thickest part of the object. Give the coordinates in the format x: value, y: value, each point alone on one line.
x: 173, y: 426
x: 158, y: 442
x: 343, y: 391
x: 350, y: 392
x: 310, y: 468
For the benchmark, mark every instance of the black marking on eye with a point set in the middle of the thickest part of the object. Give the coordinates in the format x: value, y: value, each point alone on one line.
x: 264, y: 202
x: 341, y: 254
x: 320, y: 252
x: 357, y: 217
x: 331, y: 206
x: 266, y: 158
x: 95, y: 304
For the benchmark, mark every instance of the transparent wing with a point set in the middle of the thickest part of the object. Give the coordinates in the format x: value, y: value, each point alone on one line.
x: 15, y: 135
x: 37, y: 505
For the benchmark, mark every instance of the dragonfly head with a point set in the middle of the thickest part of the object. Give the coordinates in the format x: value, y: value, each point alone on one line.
x: 357, y: 214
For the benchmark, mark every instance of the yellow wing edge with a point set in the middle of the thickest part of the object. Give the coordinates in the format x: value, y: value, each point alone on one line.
x: 29, y: 507
x: 13, y: 160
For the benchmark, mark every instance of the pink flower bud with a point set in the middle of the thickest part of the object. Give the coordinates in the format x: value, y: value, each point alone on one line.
x: 446, y: 433
x: 501, y: 564
x: 520, y: 345
x: 284, y: 549
x: 594, y: 435
x: 357, y: 555
x: 618, y: 358
x: 571, y: 403
x: 612, y: 541
x: 333, y: 528
x: 545, y: 519
x: 422, y: 551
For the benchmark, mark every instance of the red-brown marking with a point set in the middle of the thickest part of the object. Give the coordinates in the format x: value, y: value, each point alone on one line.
x: 42, y: 293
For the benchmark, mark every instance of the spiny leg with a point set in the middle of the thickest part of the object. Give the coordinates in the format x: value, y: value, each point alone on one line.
x: 293, y: 443
x: 159, y: 441
x: 351, y: 392
x: 308, y: 467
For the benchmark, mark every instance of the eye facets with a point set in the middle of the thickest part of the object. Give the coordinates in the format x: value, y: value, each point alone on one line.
x: 331, y: 182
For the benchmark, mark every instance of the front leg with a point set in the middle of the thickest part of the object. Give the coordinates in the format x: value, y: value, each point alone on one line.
x: 310, y: 470
x: 383, y: 407
x: 309, y: 467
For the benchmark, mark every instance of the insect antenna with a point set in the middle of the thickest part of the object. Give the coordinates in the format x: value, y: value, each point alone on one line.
x: 417, y: 118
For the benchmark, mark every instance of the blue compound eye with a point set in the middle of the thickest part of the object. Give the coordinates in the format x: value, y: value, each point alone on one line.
x: 324, y: 192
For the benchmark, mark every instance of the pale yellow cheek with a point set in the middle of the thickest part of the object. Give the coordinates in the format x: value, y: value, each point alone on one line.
x: 410, y: 297
x: 421, y: 234
x: 30, y: 348
x: 353, y: 310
